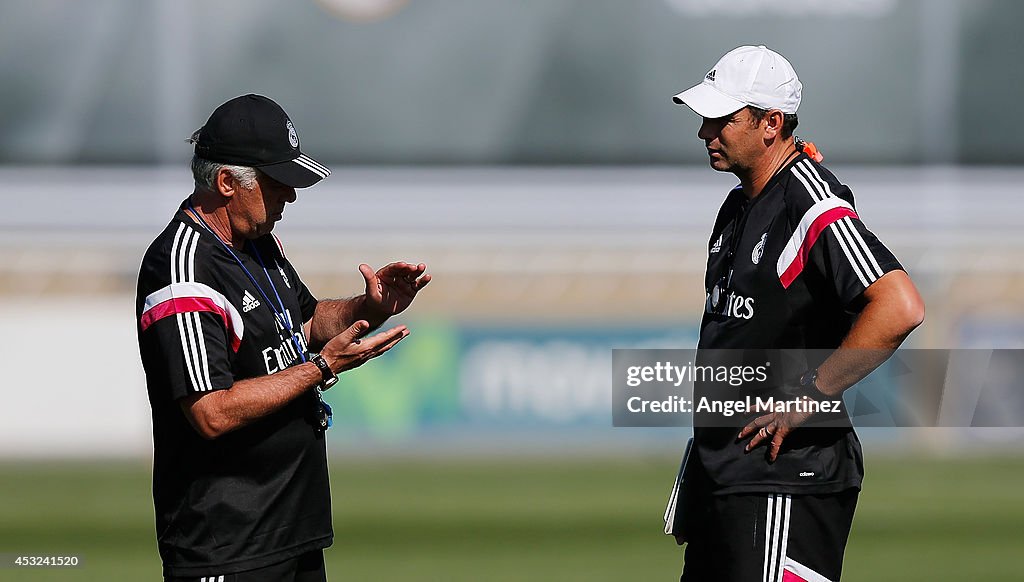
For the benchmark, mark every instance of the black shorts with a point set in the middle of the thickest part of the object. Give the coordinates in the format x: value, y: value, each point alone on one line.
x: 768, y: 537
x: 308, y: 567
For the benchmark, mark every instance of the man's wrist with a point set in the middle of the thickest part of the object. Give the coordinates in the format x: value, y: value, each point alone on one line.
x: 808, y: 385
x: 327, y: 376
x: 365, y: 312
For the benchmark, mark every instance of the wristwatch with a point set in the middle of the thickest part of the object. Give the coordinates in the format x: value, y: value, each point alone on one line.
x: 327, y: 376
x: 809, y: 385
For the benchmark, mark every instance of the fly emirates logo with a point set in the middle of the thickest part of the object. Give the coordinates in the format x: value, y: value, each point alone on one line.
x: 284, y: 355
x: 734, y: 305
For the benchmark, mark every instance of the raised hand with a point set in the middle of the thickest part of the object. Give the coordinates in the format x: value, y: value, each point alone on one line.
x: 390, y: 290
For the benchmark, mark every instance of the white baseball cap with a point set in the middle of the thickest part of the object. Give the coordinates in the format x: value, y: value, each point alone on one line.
x: 748, y: 75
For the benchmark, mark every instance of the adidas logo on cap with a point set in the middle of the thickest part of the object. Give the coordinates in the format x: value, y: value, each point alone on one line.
x: 249, y: 302
x: 751, y: 76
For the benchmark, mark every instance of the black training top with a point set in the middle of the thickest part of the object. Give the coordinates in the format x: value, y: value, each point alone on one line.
x: 257, y: 495
x: 800, y: 258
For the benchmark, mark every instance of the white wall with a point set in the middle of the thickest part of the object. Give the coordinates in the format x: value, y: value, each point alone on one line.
x: 72, y: 382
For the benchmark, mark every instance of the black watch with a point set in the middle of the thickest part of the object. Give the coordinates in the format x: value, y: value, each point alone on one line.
x: 327, y: 376
x: 809, y: 385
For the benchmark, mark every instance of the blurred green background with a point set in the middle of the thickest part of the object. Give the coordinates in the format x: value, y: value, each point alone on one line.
x: 527, y: 519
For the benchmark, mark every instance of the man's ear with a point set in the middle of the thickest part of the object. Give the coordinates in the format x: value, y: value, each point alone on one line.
x: 226, y: 183
x: 773, y: 124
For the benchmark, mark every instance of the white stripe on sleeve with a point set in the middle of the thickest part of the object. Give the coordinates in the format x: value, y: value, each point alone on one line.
x: 849, y: 255
x: 204, y: 360
x: 853, y: 236
x: 183, y: 334
x: 796, y: 241
x: 858, y: 250
x: 864, y: 245
x: 800, y: 171
x: 183, y: 268
x: 815, y: 192
x: 174, y: 253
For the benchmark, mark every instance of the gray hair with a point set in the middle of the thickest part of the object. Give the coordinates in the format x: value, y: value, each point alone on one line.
x: 205, y: 173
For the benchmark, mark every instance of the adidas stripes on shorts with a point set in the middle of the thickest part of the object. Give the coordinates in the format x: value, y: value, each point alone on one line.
x: 769, y: 538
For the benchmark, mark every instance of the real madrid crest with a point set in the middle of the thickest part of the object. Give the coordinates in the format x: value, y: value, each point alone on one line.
x: 293, y: 138
x: 755, y: 257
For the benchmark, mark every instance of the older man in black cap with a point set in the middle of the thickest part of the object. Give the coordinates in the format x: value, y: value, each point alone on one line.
x: 237, y: 351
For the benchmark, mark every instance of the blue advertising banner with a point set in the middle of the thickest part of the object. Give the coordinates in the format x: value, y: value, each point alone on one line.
x: 447, y: 376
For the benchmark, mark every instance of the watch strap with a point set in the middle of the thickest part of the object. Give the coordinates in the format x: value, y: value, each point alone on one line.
x: 809, y: 385
x: 327, y: 376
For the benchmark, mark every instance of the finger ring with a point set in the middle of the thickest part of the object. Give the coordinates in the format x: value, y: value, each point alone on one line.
x: 765, y: 430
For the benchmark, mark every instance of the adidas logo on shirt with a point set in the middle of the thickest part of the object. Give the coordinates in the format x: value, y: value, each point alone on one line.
x: 249, y: 302
x: 711, y: 75
x: 717, y: 247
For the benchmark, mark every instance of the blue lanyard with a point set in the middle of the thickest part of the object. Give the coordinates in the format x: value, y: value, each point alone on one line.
x: 281, y: 316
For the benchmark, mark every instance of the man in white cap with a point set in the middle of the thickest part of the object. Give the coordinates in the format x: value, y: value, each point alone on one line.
x: 791, y: 270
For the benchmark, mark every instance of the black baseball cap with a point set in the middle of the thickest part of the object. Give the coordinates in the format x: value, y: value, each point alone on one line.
x: 253, y: 130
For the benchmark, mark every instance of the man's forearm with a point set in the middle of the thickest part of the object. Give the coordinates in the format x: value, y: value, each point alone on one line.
x: 216, y: 413
x: 333, y: 316
x: 846, y: 367
x: 893, y: 310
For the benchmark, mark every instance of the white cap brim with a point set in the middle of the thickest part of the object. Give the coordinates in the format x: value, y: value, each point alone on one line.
x: 709, y: 102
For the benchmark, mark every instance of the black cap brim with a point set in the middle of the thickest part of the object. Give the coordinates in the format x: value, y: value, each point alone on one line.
x: 302, y: 172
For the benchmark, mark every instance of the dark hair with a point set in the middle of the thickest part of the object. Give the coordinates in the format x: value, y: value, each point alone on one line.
x: 789, y: 120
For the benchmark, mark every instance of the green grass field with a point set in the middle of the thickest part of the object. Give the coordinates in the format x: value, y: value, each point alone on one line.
x: 515, y: 519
